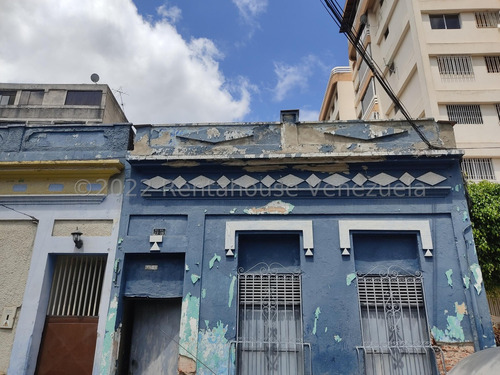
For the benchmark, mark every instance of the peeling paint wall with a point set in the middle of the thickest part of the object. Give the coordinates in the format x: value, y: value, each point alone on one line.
x: 188, y: 339
x: 214, y: 350
x: 295, y: 140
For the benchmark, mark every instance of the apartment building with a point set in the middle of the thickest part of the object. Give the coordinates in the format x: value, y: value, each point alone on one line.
x: 59, y: 104
x: 442, y: 60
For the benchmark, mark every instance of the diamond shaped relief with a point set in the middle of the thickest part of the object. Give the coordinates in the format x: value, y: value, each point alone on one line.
x: 383, y: 179
x: 179, y: 182
x: 245, y: 181
x: 359, y: 179
x: 156, y: 182
x: 313, y: 180
x: 431, y: 178
x: 268, y: 181
x: 223, y: 181
x: 201, y: 182
x: 290, y: 180
x: 336, y: 179
x: 407, y: 179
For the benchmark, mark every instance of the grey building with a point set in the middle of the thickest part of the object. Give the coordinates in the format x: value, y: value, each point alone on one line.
x: 53, y: 104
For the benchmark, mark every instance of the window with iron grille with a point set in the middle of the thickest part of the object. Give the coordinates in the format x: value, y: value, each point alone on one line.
x: 478, y: 169
x: 497, y: 106
x: 395, y: 335
x: 270, y: 332
x: 76, y: 285
x: 487, y: 19
x: 458, y: 66
x: 465, y: 113
x: 444, y: 21
x: 7, y: 97
x: 492, y: 64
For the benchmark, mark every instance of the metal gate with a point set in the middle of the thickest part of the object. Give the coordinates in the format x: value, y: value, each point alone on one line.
x: 70, y: 331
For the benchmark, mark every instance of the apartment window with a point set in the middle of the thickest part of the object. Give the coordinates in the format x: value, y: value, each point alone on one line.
x: 497, y: 106
x: 459, y: 66
x: 465, y: 113
x: 31, y: 97
x: 478, y: 169
x: 83, y: 98
x: 492, y: 64
x: 366, y: 101
x: 444, y: 21
x: 487, y: 19
x: 7, y: 97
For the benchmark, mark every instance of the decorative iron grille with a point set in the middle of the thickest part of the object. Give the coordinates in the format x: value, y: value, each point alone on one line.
x: 396, y: 338
x: 487, y: 19
x: 465, y: 113
x: 270, y: 331
x: 76, y: 285
x: 478, y: 169
x: 492, y: 64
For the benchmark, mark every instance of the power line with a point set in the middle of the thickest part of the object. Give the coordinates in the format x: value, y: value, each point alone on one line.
x: 345, y: 26
x: 35, y: 220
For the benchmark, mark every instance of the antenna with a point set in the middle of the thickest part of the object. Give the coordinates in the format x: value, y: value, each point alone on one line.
x: 120, y: 91
x: 94, y: 77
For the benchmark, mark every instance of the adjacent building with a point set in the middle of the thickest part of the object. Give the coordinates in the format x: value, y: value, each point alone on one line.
x: 294, y: 248
x: 442, y: 60
x: 59, y: 104
x: 60, y: 174
x: 60, y: 203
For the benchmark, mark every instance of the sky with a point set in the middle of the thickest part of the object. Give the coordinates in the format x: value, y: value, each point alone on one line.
x: 179, y: 61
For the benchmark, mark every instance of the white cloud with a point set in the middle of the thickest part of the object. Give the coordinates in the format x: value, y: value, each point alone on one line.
x: 292, y: 77
x: 166, y: 79
x: 171, y: 14
x: 249, y: 9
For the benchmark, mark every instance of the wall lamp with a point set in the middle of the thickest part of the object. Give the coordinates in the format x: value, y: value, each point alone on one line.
x: 77, y: 238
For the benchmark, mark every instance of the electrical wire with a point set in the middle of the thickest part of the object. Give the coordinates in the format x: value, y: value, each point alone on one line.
x: 34, y: 219
x: 337, y: 14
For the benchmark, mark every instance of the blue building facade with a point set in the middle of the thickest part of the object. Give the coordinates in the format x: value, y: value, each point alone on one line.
x: 293, y: 248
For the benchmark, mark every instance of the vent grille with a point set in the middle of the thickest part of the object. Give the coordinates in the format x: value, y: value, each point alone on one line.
x: 399, y: 290
x: 281, y: 289
x: 487, y: 19
x: 76, y: 285
x: 465, y: 114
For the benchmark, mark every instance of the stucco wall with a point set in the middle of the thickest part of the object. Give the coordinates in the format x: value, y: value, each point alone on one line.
x: 16, y: 243
x: 63, y: 228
